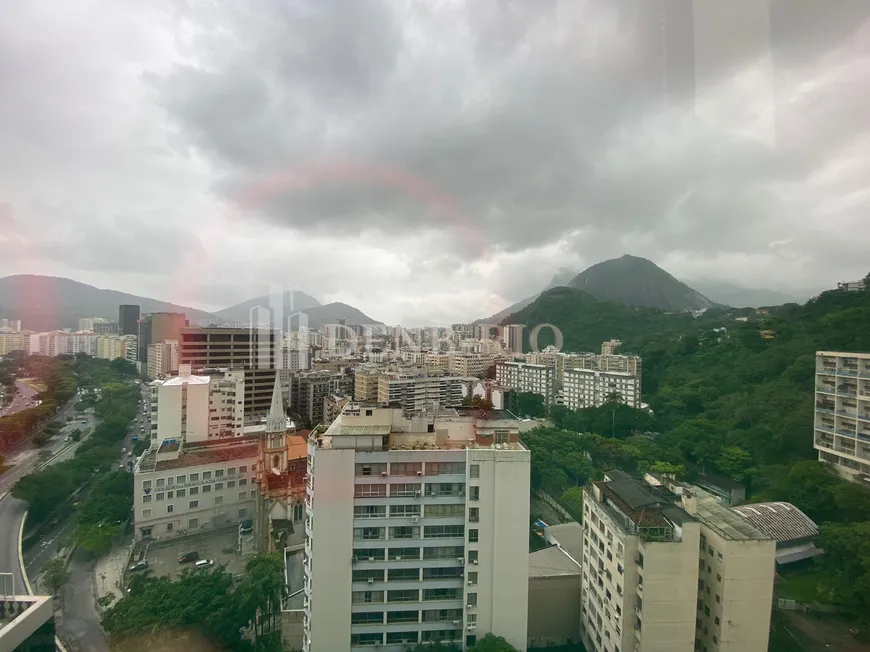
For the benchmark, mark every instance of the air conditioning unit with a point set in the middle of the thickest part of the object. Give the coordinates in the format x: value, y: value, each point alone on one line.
x: 417, y: 494
x: 371, y: 558
x: 398, y: 559
x: 384, y: 473
x: 470, y: 583
x: 371, y: 580
x: 460, y: 559
x: 471, y: 628
x: 457, y: 622
x: 469, y: 607
x: 474, y: 561
x: 415, y: 518
x: 419, y: 473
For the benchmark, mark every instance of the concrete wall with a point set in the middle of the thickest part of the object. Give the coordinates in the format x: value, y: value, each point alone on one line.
x: 554, y: 610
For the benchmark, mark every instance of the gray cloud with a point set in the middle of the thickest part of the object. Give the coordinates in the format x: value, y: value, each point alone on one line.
x: 535, y: 119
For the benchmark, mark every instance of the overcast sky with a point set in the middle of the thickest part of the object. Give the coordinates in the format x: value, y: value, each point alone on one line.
x: 431, y: 161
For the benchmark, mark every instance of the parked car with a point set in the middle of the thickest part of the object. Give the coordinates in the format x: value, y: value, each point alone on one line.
x: 139, y: 565
x: 188, y: 557
x: 204, y: 563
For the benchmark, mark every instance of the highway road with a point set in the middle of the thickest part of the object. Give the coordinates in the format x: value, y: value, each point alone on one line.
x: 11, y: 514
x: 21, y: 400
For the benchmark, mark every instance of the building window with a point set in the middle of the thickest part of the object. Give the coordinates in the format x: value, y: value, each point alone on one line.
x: 218, y: 486
x: 370, y: 491
x: 405, y: 532
x: 472, y: 578
x: 192, y: 523
x: 404, y: 511
x: 403, y: 595
x: 180, y: 479
x: 369, y: 511
x: 160, y: 482
x: 181, y: 493
x: 243, y: 469
x: 474, y: 514
x: 218, y: 500
x: 473, y: 535
x: 146, y: 513
x: 403, y: 617
x: 146, y: 498
x: 170, y: 509
x: 231, y: 471
x: 474, y: 493
x: 367, y: 597
x: 403, y: 575
x: 371, y: 469
x: 473, y: 556
x: 193, y: 504
x: 170, y: 495
x: 194, y: 491
x: 443, y: 531
x: 231, y: 484
x: 406, y: 468
x: 474, y: 471
x: 146, y: 484
x: 159, y: 496
x: 219, y: 473
x: 445, y: 511
x: 472, y: 600
x: 243, y: 482
x: 368, y: 533
x: 206, y: 489
x: 403, y: 490
x: 194, y: 477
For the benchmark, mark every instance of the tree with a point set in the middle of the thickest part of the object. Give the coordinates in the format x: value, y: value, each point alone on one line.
x: 734, y: 462
x: 668, y: 468
x: 105, y: 601
x: 572, y: 501
x: 54, y: 575
x: 493, y: 643
x: 76, y: 435
x: 96, y: 538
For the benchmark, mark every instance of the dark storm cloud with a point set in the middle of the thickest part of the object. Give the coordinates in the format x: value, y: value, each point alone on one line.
x: 535, y: 119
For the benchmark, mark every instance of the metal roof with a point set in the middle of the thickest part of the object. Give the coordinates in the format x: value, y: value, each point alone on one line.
x: 552, y: 562
x: 362, y: 430
x: 781, y: 521
x: 723, y: 519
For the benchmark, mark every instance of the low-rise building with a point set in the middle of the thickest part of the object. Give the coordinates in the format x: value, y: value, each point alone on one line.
x: 526, y: 377
x: 183, y: 487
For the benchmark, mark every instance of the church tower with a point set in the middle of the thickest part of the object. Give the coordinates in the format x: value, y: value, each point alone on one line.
x: 274, y: 457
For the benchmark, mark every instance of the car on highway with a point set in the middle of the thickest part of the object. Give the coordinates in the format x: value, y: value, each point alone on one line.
x: 138, y: 566
x: 204, y: 563
x: 188, y: 557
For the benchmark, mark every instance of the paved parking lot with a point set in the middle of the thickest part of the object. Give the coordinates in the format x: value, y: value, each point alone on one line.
x: 218, y: 545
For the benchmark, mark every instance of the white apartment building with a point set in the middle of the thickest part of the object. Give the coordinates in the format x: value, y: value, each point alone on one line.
x: 416, y: 530
x: 14, y: 341
x: 512, y: 336
x: 181, y: 488
x: 526, y: 377
x: 415, y: 392
x: 584, y: 388
x: 660, y: 576
x: 842, y: 413
x: 200, y: 408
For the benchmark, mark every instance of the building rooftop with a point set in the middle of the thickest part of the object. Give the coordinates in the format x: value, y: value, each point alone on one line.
x: 552, y: 562
x: 646, y: 508
x: 210, y: 452
x: 567, y: 535
x: 724, y: 520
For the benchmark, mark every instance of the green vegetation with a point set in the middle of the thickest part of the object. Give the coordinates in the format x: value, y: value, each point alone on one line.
x: 525, y: 404
x: 107, y: 506
x: 58, y: 375
x: 50, y: 487
x: 242, y: 616
x: 54, y: 575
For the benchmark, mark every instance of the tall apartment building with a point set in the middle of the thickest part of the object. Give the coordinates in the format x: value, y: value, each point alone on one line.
x: 104, y: 326
x: 86, y: 324
x: 525, y: 377
x: 415, y: 392
x: 512, y: 336
x: 235, y: 348
x: 584, y: 388
x: 365, y: 384
x: 10, y: 324
x: 416, y: 530
x: 128, y: 319
x: 842, y: 413
x: 162, y: 358
x: 610, y: 347
x: 309, y: 391
x: 200, y: 408
x: 677, y: 577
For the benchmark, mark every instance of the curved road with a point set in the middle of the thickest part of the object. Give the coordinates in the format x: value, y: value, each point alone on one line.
x: 21, y: 400
x: 12, y: 513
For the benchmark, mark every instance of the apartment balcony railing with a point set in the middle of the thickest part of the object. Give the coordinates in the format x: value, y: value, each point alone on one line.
x: 826, y: 388
x: 843, y: 412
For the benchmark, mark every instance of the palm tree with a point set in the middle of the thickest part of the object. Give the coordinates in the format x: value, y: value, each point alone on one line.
x: 613, y: 399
